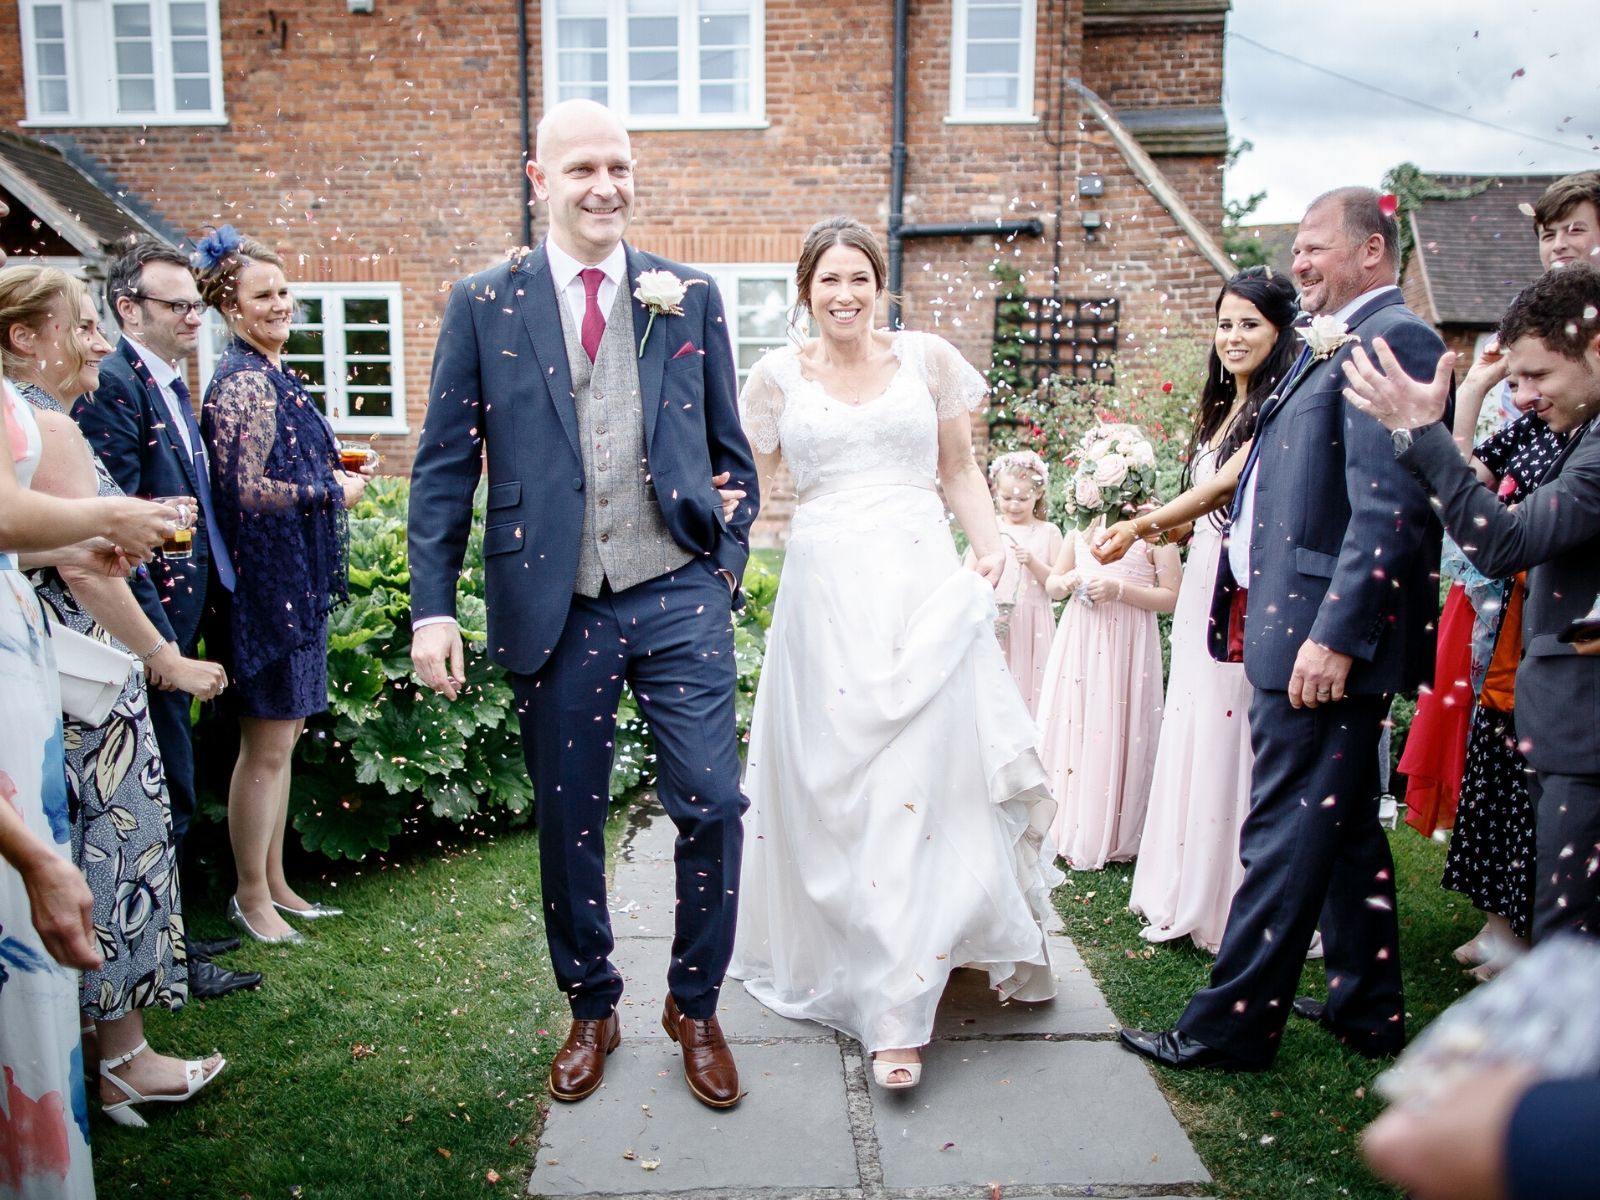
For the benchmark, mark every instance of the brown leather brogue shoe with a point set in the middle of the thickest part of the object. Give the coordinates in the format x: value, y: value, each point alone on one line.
x: 707, y: 1062
x: 580, y: 1065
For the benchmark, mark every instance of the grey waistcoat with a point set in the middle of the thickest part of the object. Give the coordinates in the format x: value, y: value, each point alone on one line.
x: 625, y: 541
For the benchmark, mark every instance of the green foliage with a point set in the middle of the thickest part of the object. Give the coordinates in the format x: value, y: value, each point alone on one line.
x: 1005, y: 377
x: 1244, y: 249
x: 389, y: 756
x: 1411, y: 187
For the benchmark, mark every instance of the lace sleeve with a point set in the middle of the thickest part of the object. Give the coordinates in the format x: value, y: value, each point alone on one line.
x: 244, y: 418
x: 957, y: 388
x: 761, y: 407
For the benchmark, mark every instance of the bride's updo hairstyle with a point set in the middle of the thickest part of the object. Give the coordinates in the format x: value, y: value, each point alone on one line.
x: 221, y: 258
x: 824, y: 236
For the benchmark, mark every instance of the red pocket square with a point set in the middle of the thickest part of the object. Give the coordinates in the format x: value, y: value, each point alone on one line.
x: 686, y: 348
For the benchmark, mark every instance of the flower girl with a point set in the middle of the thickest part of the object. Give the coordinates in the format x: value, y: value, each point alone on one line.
x: 1027, y: 622
x: 1100, y: 708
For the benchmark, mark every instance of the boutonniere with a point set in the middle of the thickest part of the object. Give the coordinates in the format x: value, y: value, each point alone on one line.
x: 1325, y: 335
x: 662, y: 293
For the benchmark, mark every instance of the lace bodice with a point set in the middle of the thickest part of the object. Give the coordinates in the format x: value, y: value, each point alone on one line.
x: 894, y: 436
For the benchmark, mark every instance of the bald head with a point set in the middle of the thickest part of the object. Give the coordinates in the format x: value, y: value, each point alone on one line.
x: 573, y: 119
x: 583, y: 169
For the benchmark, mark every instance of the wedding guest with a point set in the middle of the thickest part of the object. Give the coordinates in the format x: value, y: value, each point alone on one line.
x: 121, y: 827
x: 1027, y: 623
x: 1338, y: 548
x: 1189, y: 866
x: 1551, y: 335
x: 280, y: 499
x: 1101, y: 708
x: 898, y: 804
x: 141, y: 425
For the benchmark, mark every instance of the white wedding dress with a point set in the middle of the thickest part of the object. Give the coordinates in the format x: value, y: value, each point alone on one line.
x: 898, y: 803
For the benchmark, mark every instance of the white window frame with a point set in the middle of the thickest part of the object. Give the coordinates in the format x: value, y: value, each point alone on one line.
x: 727, y: 277
x: 960, y: 113
x: 336, y: 357
x: 92, y: 88
x: 616, y: 13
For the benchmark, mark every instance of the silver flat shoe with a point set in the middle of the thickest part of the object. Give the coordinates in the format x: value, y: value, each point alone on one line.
x: 315, y: 913
x: 236, y: 915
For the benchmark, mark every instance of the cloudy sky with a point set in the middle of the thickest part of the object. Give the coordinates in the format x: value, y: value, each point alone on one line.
x: 1533, y: 69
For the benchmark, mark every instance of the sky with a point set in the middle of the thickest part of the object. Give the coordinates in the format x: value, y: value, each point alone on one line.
x: 1530, y: 68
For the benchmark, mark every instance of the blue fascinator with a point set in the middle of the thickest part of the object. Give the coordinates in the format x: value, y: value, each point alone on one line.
x: 216, y: 246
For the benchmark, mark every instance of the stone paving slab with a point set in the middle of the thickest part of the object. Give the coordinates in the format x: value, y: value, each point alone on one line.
x: 791, y: 1131
x: 644, y: 897
x: 970, y: 1009
x: 1031, y: 1114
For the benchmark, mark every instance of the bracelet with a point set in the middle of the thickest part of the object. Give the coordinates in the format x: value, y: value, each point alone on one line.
x: 153, y: 651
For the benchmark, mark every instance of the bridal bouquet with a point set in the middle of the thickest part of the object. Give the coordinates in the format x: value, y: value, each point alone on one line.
x: 1115, y: 473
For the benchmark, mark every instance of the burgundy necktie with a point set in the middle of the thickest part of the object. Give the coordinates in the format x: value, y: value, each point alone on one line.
x: 594, y: 321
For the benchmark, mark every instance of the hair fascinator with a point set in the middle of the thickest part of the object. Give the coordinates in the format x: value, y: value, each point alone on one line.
x: 216, y: 246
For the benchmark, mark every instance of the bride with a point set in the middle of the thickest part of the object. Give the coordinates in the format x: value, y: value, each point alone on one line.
x: 898, y: 804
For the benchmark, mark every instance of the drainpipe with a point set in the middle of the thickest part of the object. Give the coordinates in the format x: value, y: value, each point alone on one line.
x: 527, y: 147
x: 897, y: 163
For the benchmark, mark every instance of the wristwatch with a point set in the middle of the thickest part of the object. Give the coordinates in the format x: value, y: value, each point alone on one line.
x: 1402, y: 440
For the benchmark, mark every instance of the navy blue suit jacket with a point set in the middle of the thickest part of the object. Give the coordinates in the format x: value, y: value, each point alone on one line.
x: 126, y: 423
x: 1345, y: 548
x: 501, y: 388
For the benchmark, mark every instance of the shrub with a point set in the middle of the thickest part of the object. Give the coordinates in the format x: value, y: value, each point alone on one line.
x: 390, y: 756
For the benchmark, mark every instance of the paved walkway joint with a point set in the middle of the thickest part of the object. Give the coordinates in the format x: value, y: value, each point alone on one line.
x: 1036, y: 1100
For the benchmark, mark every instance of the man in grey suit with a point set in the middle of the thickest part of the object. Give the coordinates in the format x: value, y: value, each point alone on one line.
x: 1333, y: 543
x: 1551, y: 334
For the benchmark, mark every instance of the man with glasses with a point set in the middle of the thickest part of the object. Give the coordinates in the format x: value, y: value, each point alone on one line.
x: 141, y: 423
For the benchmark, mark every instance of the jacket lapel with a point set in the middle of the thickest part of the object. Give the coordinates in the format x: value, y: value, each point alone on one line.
x: 653, y: 361
x: 536, y: 293
x: 162, y: 423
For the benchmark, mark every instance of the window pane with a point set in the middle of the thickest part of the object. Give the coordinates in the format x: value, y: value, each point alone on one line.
x: 370, y: 404
x: 47, y: 22
x: 191, y: 58
x: 991, y: 92
x: 368, y: 374
x: 653, y: 101
x: 366, y: 312
x: 724, y: 31
x: 135, y: 58
x: 652, y: 33
x: 187, y: 20
x: 581, y: 67
x: 719, y: 65
x: 51, y: 59
x: 312, y: 370
x: 1003, y: 22
x: 308, y: 311
x: 136, y: 95
x: 573, y: 34
x: 192, y: 95
x: 653, y: 8
x: 750, y: 353
x: 304, y: 342
x: 53, y: 95
x: 131, y: 20
x: 583, y: 91
x: 722, y: 98
x: 366, y: 341
x: 761, y: 308
x: 992, y: 58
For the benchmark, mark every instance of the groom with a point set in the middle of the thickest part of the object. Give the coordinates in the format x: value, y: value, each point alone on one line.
x: 607, y: 559
x: 1339, y: 550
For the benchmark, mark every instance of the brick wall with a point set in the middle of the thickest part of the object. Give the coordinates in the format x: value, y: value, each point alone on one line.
x: 386, y: 147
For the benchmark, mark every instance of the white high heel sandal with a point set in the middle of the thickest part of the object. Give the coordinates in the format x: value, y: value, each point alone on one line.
x: 123, y: 1112
x: 882, y: 1069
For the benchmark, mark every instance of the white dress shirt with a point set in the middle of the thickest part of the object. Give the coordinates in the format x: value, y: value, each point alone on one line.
x: 1244, y: 520
x: 164, y: 373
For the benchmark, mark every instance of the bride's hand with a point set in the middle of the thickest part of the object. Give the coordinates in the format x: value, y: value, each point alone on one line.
x: 990, y: 567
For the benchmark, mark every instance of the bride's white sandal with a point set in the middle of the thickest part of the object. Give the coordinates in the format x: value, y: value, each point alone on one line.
x: 123, y: 1111
x: 882, y: 1069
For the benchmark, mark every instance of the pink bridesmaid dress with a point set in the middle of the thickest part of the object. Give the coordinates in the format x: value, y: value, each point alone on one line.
x: 1033, y: 620
x: 1100, y: 714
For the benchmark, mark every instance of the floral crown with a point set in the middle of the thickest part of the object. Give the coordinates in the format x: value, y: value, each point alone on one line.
x: 1116, y: 472
x: 1021, y: 462
x: 216, y: 246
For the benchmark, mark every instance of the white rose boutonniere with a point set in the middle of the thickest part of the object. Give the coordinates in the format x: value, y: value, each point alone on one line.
x: 1325, y: 335
x: 662, y: 293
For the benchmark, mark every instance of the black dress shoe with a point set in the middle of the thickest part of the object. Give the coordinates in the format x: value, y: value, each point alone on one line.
x: 207, y: 981
x: 1366, y: 1045
x: 211, y: 947
x: 1176, y: 1049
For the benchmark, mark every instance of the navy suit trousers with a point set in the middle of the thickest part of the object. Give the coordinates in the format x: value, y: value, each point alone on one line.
x: 1313, y: 851
x: 1566, y: 893
x: 671, y: 639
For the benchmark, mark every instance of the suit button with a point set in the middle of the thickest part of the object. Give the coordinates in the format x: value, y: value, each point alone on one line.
x: 577, y: 483
x: 605, y: 537
x: 604, y: 502
x: 601, y: 430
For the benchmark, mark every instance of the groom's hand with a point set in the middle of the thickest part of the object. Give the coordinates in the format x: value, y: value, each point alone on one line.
x: 438, y: 657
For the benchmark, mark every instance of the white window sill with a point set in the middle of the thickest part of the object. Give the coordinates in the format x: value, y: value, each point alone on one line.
x: 121, y: 120
x: 994, y: 118
x: 351, y: 426
x: 693, y: 124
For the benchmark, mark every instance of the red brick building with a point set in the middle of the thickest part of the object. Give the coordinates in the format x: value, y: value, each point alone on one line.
x: 1081, y: 141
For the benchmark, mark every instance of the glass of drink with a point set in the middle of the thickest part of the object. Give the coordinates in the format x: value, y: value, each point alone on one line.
x: 357, y: 456
x: 179, y: 541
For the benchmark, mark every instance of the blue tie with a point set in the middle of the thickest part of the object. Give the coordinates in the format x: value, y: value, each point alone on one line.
x: 202, y: 479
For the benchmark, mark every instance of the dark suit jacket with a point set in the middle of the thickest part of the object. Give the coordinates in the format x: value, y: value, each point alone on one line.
x: 1554, y: 535
x: 126, y: 423
x: 501, y: 385
x: 1344, y: 549
x: 1551, y: 1133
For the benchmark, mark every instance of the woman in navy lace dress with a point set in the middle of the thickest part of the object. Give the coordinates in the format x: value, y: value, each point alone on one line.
x: 281, y: 501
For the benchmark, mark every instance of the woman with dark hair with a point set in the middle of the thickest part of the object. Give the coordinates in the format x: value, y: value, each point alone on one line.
x: 1200, y: 788
x: 898, y: 803
x: 280, y: 503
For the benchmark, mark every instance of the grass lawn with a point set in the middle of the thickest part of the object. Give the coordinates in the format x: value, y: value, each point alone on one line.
x: 1290, y: 1132
x: 401, y: 1051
